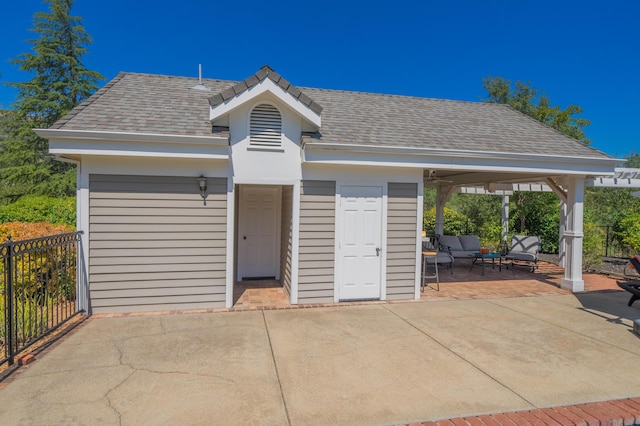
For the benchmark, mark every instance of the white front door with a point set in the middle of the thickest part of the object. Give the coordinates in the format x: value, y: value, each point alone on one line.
x: 360, y: 242
x: 258, y: 232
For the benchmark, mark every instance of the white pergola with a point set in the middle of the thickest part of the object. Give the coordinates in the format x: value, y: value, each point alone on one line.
x: 570, y: 191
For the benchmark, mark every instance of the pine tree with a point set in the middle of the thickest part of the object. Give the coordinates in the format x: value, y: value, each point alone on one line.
x: 60, y: 82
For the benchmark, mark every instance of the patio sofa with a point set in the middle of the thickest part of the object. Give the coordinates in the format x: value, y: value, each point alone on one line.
x: 460, y: 246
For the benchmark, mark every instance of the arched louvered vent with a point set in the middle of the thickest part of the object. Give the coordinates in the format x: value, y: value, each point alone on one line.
x: 265, y: 126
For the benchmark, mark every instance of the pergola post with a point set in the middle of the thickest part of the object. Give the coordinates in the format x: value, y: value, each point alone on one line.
x: 562, y: 243
x: 505, y: 218
x: 573, y: 235
x: 443, y: 193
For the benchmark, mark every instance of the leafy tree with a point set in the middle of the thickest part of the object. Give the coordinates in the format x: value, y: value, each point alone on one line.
x: 537, y: 213
x: 528, y: 100
x: 628, y: 230
x: 60, y: 82
x: 614, y: 210
x: 484, y: 213
x: 454, y: 223
x: 633, y: 161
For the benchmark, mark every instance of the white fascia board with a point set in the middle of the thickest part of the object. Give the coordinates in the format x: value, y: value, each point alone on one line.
x: 266, y: 85
x: 154, y: 138
x: 72, y: 154
x: 78, y: 143
x: 448, y: 159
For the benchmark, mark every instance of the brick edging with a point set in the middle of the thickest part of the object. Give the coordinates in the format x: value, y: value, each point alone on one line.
x: 617, y: 412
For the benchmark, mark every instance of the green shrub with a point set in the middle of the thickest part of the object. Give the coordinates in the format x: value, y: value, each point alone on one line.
x: 40, y: 208
x: 592, y: 244
x: 628, y: 230
x: 454, y: 223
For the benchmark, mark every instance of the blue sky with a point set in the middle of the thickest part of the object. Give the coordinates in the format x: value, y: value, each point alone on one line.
x: 585, y: 53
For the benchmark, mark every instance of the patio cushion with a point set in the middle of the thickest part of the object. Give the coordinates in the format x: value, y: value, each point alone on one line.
x: 525, y: 244
x: 451, y: 241
x: 526, y: 257
x: 470, y: 242
x: 442, y: 258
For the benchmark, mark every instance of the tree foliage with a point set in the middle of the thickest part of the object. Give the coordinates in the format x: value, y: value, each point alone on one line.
x: 529, y: 101
x: 454, y: 223
x: 59, y: 82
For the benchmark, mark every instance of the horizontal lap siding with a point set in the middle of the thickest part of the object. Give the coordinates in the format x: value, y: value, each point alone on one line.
x: 155, y: 244
x: 401, y: 240
x: 285, y: 238
x: 317, y: 242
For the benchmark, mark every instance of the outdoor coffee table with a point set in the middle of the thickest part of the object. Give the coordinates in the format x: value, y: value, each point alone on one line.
x: 482, y: 257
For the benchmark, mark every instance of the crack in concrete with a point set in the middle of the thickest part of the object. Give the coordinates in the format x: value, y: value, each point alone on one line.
x: 186, y: 373
x: 106, y: 396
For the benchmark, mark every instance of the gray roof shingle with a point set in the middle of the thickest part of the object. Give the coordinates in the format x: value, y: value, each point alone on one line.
x: 264, y: 73
x: 145, y: 103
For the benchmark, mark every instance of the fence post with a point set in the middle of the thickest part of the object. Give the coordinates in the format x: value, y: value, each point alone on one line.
x: 9, y: 300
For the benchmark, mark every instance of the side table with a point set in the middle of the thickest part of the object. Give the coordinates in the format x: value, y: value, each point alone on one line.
x: 482, y: 257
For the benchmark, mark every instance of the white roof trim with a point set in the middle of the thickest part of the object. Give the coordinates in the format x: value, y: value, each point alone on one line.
x: 121, y: 153
x: 266, y: 85
x: 454, y: 153
x: 63, y: 134
x: 623, y: 178
x: 73, y: 153
x: 448, y: 159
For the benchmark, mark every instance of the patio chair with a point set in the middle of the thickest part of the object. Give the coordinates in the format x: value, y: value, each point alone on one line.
x: 432, y: 243
x: 524, y: 251
x: 632, y: 287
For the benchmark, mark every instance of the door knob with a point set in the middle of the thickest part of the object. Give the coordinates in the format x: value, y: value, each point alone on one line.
x: 377, y: 251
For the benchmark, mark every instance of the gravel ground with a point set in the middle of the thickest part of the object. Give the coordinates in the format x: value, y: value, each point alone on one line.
x: 609, y: 266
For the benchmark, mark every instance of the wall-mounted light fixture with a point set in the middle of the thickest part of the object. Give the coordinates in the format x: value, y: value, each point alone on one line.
x: 202, y: 183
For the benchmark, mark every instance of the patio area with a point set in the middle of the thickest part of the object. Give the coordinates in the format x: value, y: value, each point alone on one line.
x: 464, y: 284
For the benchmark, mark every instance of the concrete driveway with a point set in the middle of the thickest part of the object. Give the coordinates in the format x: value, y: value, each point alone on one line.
x: 375, y: 364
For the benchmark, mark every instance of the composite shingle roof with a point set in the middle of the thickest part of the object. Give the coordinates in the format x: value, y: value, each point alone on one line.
x: 146, y: 103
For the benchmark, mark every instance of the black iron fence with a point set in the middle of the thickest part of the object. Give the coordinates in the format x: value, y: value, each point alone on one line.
x: 38, y: 288
x: 611, y: 247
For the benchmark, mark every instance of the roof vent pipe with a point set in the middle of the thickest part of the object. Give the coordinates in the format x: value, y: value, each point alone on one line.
x: 200, y: 86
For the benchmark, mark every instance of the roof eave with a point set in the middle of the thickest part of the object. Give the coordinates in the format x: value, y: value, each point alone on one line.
x: 443, y: 158
x: 67, y: 134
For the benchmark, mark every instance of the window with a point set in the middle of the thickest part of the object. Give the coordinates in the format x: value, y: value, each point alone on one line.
x: 265, y: 126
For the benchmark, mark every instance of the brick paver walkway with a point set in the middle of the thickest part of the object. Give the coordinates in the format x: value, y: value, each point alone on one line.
x: 464, y: 283
x: 608, y: 413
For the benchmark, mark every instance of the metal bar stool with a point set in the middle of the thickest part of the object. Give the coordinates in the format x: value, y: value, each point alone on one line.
x: 430, y: 254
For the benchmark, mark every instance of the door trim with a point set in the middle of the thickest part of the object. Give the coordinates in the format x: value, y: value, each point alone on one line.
x: 278, y: 219
x: 339, y: 273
